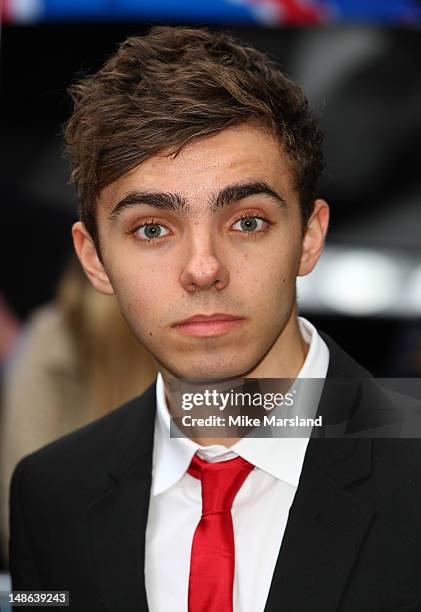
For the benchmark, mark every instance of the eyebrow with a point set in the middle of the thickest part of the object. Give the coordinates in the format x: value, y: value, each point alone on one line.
x: 178, y: 204
x: 234, y: 193
x: 166, y: 201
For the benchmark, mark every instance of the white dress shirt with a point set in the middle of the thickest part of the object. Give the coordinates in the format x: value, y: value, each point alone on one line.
x: 259, y: 512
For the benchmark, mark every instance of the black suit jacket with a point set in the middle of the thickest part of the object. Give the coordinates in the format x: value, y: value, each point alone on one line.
x: 352, y: 543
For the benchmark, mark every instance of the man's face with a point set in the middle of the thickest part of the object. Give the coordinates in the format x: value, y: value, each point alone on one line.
x: 213, y: 231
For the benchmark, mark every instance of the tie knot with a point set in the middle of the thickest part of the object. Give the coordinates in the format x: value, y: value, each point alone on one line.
x: 221, y: 481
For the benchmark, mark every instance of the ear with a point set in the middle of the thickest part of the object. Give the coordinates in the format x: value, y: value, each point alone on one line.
x: 87, y: 253
x: 314, y: 237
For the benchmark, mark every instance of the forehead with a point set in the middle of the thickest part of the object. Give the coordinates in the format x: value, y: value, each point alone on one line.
x: 207, y: 165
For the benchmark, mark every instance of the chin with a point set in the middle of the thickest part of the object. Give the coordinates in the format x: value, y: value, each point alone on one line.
x: 208, y: 372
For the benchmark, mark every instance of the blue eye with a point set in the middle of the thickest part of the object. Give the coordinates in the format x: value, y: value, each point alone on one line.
x: 249, y: 224
x: 149, y: 231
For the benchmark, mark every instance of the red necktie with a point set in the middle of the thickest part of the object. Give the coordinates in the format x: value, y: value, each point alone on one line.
x: 212, y: 556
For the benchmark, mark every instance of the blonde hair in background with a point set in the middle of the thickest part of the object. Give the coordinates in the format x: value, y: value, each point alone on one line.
x: 114, y: 365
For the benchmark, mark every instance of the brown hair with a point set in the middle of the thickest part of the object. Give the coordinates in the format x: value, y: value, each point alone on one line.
x: 165, y: 89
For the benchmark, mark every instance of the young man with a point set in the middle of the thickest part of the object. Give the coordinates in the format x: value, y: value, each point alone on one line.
x: 196, y: 162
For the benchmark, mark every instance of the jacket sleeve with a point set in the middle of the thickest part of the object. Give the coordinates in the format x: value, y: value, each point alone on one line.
x: 23, y: 568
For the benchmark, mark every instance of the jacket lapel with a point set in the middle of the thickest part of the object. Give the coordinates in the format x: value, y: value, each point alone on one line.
x: 118, y: 516
x: 324, y: 533
x: 327, y: 524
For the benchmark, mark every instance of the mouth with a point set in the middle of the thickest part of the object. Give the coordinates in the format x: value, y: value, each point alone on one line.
x: 209, y: 325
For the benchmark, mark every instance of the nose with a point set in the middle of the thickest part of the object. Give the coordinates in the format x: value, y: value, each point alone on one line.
x: 203, y: 269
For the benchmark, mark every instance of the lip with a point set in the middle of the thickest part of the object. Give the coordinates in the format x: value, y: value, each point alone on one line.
x: 204, y: 318
x: 209, y: 325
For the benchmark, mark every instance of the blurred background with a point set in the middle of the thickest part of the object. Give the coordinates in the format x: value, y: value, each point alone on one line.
x: 359, y: 62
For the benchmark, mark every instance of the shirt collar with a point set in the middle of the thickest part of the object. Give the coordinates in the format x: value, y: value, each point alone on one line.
x: 281, y: 457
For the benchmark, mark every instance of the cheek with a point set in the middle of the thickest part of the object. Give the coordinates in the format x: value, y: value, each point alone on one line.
x: 269, y: 285
x: 259, y: 272
x: 138, y: 290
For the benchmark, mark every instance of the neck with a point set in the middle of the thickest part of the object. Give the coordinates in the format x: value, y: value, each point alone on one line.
x: 284, y: 360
